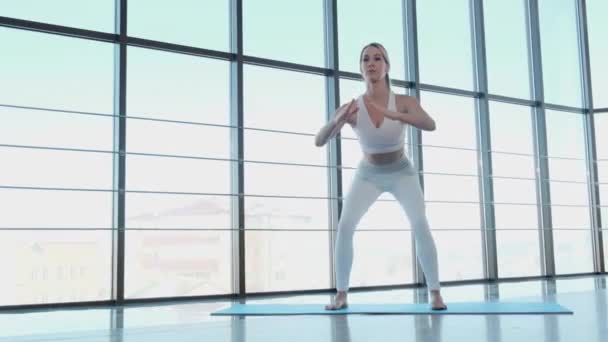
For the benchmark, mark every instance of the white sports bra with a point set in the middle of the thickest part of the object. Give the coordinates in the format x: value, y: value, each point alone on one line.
x: 389, y: 137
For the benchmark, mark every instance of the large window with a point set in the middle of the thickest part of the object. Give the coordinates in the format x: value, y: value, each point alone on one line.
x: 513, y: 179
x: 506, y: 44
x: 61, y: 143
x: 178, y: 240
x: 598, y: 50
x: 285, y: 181
x: 57, y: 176
x: 569, y: 193
x: 444, y: 43
x: 451, y: 185
x: 560, y: 52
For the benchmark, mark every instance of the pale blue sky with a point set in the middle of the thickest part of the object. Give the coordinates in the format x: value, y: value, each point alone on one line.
x: 63, y: 73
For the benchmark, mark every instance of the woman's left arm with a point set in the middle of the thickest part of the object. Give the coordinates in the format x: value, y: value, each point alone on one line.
x: 410, y: 112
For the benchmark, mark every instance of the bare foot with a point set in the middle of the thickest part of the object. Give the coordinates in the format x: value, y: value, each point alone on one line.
x: 338, y: 302
x: 436, y: 301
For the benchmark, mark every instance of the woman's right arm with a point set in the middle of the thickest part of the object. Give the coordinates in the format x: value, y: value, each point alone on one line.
x: 334, y: 125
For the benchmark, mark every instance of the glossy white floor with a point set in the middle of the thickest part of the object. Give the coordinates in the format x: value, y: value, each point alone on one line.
x: 586, y: 296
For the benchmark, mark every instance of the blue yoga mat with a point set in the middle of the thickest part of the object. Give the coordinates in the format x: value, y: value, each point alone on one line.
x: 482, y: 308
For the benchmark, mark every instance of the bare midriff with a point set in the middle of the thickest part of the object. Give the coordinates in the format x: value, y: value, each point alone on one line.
x: 384, y: 158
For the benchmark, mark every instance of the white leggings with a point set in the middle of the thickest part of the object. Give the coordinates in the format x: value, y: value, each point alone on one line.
x: 400, y: 179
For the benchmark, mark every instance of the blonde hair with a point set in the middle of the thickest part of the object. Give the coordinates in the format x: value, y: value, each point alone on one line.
x: 384, y: 56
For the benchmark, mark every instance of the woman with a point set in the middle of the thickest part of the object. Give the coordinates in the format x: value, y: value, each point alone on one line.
x: 379, y: 118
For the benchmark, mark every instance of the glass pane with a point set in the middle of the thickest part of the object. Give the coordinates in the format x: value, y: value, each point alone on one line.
x: 560, y: 125
x: 283, y: 100
x: 511, y: 132
x: 382, y: 258
x: 598, y: 50
x: 569, y: 193
x: 451, y: 188
x: 601, y: 145
x: 573, y: 253
x: 570, y: 217
x: 384, y: 215
x: 507, y: 44
x: 286, y: 213
x: 455, y: 119
x: 509, y: 165
x: 444, y: 29
x: 185, y: 22
x: 285, y: 180
x: 453, y: 215
x: 511, y: 128
x: 602, y: 167
x: 283, y: 148
x: 563, y: 124
x: 56, y: 72
x: 605, y: 214
x: 448, y: 160
x: 55, y: 129
x: 55, y: 266
x: 296, y: 28
x: 601, y: 139
x: 172, y: 86
x: 62, y: 169
x: 518, y: 253
x: 287, y: 261
x: 568, y: 169
x: 55, y: 209
x: 604, y: 192
x: 177, y: 175
x: 177, y: 263
x: 518, y: 191
x: 560, y: 52
x: 521, y: 216
x: 156, y: 137
x: 352, y: 36
x: 163, y: 211
x: 459, y: 255
x: 97, y: 15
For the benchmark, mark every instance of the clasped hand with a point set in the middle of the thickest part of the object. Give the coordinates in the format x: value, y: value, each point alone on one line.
x: 347, y: 111
x: 377, y: 110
